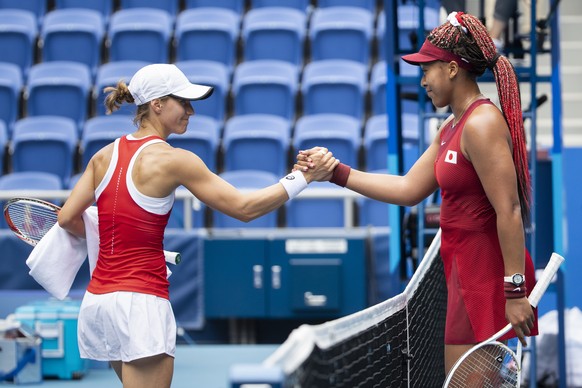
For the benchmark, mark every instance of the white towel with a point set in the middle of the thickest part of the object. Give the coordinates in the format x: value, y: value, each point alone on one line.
x: 55, y: 260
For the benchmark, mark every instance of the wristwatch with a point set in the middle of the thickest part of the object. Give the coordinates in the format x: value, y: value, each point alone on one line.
x: 517, y: 279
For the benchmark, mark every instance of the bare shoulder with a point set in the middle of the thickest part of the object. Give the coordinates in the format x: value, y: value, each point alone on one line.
x: 178, y: 160
x: 103, y: 156
x: 485, y: 122
x: 485, y: 129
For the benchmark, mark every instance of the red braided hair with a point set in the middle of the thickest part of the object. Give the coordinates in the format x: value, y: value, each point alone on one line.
x: 478, y: 48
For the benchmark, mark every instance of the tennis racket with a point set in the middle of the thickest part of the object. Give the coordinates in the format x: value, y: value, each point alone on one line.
x: 492, y: 363
x: 30, y: 219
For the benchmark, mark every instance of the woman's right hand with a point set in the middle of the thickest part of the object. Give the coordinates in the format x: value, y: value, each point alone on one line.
x: 317, y: 164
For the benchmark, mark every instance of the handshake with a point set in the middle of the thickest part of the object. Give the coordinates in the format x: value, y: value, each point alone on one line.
x: 316, y: 164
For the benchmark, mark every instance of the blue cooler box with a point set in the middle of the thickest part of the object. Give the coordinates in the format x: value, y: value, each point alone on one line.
x: 56, y: 323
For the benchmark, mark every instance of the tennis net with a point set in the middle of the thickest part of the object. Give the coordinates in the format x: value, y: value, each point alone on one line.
x: 396, y: 343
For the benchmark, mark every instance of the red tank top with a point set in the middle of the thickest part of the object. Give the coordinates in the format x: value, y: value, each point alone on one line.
x: 470, y: 249
x: 131, y: 254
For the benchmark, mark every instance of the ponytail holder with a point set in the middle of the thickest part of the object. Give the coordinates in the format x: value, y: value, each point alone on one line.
x: 491, y: 64
x: 455, y: 19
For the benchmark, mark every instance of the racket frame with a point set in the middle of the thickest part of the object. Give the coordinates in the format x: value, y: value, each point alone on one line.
x: 33, y: 201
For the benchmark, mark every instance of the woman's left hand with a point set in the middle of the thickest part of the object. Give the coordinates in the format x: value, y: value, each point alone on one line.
x: 521, y: 316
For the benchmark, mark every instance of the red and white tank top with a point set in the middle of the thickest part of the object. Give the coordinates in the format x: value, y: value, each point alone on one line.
x: 131, y: 228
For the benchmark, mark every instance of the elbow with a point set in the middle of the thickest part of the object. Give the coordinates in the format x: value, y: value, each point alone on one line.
x: 246, y: 218
x: 244, y: 215
x: 64, y: 221
x: 411, y: 200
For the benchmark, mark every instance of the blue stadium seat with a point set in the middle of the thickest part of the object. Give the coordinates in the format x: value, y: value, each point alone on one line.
x: 102, y: 130
x: 316, y: 212
x: 202, y: 137
x: 140, y: 34
x: 340, y: 133
x: 46, y: 144
x: 372, y: 212
x: 10, y: 92
x: 274, y: 33
x: 109, y: 74
x: 105, y: 7
x: 37, y: 7
x: 335, y: 86
x: 370, y: 5
x: 407, y: 16
x: 207, y: 33
x: 249, y: 180
x: 265, y: 86
x: 18, y: 38
x: 73, y: 34
x: 209, y: 73
x: 237, y: 6
x: 376, y: 142
x: 60, y: 88
x: 250, y: 137
x: 341, y: 33
x: 3, y: 143
x: 29, y: 180
x: 170, y: 6
x: 301, y: 5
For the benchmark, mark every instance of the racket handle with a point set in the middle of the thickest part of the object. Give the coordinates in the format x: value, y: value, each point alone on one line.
x: 172, y: 257
x: 545, y: 280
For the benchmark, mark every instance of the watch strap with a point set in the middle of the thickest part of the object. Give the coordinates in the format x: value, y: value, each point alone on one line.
x: 509, y: 279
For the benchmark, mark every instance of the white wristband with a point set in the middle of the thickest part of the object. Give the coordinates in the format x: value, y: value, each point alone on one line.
x: 294, y: 183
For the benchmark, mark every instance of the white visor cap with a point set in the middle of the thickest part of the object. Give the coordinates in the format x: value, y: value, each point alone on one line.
x: 161, y: 79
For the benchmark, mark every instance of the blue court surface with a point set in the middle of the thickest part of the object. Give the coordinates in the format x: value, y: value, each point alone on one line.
x: 204, y: 366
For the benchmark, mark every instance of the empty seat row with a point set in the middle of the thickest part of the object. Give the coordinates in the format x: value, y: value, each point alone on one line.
x: 106, y: 7
x: 53, y: 88
x: 51, y: 144
x: 150, y: 34
x: 65, y: 89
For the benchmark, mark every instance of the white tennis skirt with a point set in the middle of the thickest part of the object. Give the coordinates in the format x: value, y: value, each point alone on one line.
x: 125, y: 326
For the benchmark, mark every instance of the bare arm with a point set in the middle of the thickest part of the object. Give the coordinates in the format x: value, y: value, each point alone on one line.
x: 82, y: 196
x: 486, y: 143
x: 407, y: 190
x: 220, y: 195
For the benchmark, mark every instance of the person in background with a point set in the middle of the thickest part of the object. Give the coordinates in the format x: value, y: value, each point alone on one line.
x: 126, y: 317
x: 479, y: 161
x: 504, y: 10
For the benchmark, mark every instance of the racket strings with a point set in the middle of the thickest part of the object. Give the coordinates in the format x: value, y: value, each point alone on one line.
x: 31, y: 220
x: 488, y: 366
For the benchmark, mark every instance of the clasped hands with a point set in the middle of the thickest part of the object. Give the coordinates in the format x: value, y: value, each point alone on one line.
x: 316, y: 164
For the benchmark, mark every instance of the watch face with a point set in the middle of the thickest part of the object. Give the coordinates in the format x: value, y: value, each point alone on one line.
x: 518, y: 279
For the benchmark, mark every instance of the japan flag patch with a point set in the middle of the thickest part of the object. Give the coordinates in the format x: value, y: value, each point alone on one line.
x: 451, y: 157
